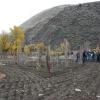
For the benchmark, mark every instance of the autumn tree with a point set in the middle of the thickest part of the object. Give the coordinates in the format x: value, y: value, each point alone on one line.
x: 32, y: 47
x: 40, y: 47
x: 17, y: 37
x: 4, y: 42
x: 26, y: 49
x: 62, y: 46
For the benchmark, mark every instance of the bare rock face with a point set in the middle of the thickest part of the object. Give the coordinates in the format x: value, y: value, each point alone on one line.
x: 77, y: 23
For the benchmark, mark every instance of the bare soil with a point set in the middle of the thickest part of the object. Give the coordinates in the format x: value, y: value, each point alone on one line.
x: 76, y: 82
x: 2, y: 76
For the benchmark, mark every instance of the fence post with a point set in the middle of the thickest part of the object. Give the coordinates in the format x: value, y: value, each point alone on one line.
x: 47, y: 59
x: 66, y: 51
x: 39, y: 57
x: 81, y: 55
x: 87, y: 45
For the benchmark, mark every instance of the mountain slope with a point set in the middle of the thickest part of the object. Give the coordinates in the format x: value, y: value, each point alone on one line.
x: 36, y: 23
x: 76, y: 22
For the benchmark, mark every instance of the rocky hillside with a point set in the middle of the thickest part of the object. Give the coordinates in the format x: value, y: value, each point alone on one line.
x: 77, y: 23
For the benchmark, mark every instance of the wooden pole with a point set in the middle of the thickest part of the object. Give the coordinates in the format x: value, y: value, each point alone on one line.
x: 66, y: 51
x: 86, y: 45
x: 81, y: 55
x: 48, y: 59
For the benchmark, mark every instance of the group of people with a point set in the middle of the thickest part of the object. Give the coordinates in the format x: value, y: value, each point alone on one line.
x: 89, y: 56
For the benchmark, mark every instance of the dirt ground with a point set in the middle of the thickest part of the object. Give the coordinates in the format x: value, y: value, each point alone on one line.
x: 2, y: 75
x: 76, y: 82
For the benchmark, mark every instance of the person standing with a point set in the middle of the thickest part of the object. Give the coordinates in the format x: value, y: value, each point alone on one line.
x: 93, y: 56
x: 98, y: 56
x: 84, y: 56
x: 77, y: 56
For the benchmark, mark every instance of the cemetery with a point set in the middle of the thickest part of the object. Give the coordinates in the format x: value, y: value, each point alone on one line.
x: 55, y: 55
x: 48, y: 74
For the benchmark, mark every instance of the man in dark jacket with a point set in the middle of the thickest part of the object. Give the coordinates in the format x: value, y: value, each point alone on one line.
x: 84, y: 56
x: 98, y: 56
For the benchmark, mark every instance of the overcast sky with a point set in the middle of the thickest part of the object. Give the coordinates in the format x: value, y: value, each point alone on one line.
x: 15, y: 12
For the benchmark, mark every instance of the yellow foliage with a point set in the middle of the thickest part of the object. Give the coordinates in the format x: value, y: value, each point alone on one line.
x: 7, y: 45
x: 17, y: 33
x: 4, y: 42
x: 18, y: 36
x: 62, y: 45
x: 40, y: 46
x: 56, y: 53
x: 26, y: 49
x: 14, y: 47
